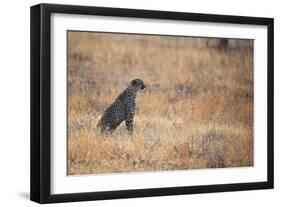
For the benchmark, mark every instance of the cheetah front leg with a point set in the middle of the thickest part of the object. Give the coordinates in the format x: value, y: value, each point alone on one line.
x: 129, y: 124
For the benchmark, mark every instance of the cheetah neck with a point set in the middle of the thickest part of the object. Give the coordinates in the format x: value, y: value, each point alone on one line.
x: 129, y: 93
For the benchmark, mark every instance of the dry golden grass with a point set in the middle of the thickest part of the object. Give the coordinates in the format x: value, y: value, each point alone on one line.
x: 197, y: 111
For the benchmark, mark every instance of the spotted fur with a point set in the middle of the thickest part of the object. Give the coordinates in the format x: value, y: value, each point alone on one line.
x: 122, y: 109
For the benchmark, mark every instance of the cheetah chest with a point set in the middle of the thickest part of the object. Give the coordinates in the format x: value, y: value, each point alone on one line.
x: 131, y: 104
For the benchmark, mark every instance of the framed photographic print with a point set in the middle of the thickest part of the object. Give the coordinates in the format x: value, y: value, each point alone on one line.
x: 133, y: 103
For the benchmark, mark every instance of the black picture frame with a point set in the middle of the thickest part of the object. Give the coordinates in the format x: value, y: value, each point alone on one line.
x: 41, y: 99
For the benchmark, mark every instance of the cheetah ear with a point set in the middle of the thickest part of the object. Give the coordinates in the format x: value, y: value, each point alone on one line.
x: 134, y: 82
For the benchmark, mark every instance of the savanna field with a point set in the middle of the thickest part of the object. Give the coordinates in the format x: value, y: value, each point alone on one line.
x: 196, y: 112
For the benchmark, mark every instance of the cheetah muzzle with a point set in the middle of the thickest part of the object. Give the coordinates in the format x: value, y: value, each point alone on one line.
x: 122, y: 109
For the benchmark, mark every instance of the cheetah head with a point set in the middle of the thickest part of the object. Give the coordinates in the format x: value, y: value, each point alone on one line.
x: 138, y: 84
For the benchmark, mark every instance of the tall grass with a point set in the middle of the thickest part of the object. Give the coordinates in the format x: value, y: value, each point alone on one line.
x: 197, y: 111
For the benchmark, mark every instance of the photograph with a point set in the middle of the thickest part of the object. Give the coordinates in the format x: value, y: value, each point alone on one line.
x: 141, y: 103
x: 131, y: 103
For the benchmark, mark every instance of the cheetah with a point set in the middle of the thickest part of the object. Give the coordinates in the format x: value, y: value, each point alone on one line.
x: 122, y: 109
